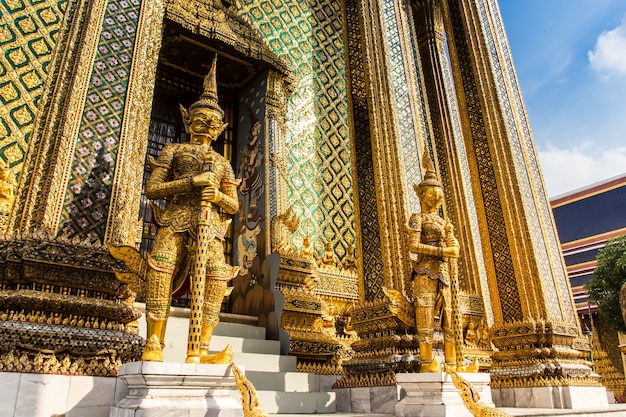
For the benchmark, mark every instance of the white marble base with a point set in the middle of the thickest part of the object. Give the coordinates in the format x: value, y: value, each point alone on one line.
x: 43, y: 395
x: 375, y: 400
x: 434, y: 395
x: 569, y: 397
x: 167, y: 389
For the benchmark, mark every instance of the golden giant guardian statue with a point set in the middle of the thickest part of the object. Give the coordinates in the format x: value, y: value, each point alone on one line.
x: 189, y: 241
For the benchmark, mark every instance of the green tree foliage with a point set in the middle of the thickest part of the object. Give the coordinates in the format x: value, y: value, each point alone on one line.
x: 608, y: 278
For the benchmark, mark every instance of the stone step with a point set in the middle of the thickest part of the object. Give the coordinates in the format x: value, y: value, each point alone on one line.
x: 239, y: 330
x: 284, y: 381
x: 264, y: 363
x: 276, y: 402
x: 219, y: 342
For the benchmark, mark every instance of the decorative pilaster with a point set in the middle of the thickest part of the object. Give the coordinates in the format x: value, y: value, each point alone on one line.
x: 41, y: 185
x: 535, y: 326
x: 366, y: 198
x: 385, y: 151
x: 122, y: 226
x: 447, y: 146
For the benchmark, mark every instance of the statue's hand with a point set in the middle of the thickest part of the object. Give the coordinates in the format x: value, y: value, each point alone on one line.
x: 210, y: 193
x: 452, y: 241
x: 451, y: 252
x: 205, y: 179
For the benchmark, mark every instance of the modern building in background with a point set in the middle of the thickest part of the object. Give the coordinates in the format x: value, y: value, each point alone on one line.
x: 586, y: 218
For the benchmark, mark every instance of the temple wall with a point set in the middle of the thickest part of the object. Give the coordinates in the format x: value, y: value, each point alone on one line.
x: 317, y: 138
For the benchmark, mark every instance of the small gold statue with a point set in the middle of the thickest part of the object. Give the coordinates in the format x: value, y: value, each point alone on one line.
x: 328, y: 257
x: 349, y: 262
x: 307, y: 251
x: 471, y: 334
x: 190, y: 238
x: 432, y: 247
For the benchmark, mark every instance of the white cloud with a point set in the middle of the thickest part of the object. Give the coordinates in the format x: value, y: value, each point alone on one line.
x: 565, y: 170
x: 609, y: 55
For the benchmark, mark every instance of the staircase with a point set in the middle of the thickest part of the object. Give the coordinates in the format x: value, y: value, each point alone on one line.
x: 280, y: 389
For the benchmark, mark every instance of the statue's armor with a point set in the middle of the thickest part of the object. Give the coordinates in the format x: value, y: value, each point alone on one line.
x: 177, y: 235
x: 431, y: 276
x: 433, y: 234
x: 179, y: 163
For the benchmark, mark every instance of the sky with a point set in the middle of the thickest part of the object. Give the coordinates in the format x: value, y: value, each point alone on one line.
x: 570, y: 58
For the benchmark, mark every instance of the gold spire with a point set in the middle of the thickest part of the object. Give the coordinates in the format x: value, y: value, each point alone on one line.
x: 208, y: 99
x: 430, y: 176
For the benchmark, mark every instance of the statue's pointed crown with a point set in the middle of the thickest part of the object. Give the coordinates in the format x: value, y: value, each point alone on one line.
x: 208, y: 99
x: 430, y: 176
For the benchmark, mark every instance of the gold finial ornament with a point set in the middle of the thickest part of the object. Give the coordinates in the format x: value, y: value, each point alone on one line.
x: 430, y: 176
x: 433, y: 251
x: 209, y: 99
x: 189, y: 244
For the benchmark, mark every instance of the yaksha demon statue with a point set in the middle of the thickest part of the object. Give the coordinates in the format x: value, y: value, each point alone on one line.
x: 189, y: 243
x: 433, y: 250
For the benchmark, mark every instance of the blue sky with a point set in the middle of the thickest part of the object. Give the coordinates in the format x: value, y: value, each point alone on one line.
x: 570, y: 57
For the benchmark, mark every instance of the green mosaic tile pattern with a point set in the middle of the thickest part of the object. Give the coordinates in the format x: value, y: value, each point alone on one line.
x: 309, y: 35
x: 28, y: 35
x: 86, y: 203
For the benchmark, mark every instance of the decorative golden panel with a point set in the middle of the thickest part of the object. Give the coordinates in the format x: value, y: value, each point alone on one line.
x: 338, y: 283
x: 408, y: 136
x: 511, y: 308
x: 373, y: 276
x: 28, y: 37
x: 548, y: 258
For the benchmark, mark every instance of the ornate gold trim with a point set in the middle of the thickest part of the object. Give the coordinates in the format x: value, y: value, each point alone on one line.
x: 385, y: 152
x: 122, y: 225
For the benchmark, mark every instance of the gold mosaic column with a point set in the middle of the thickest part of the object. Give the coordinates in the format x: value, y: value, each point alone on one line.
x: 385, y: 151
x: 448, y: 147
x: 535, y: 326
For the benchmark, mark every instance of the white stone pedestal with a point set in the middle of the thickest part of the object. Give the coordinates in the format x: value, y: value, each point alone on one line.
x: 433, y: 394
x: 167, y: 389
x: 570, y: 397
x: 44, y: 395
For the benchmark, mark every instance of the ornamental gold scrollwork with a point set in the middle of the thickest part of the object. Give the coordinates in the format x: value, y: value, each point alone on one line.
x: 60, y: 303
x: 471, y: 397
x: 249, y: 398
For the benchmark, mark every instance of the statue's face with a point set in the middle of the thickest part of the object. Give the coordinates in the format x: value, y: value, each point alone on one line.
x: 205, y: 126
x: 431, y: 198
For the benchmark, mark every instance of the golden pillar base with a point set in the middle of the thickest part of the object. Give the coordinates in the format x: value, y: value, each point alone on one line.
x: 540, y: 354
x: 306, y: 317
x: 62, y: 311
